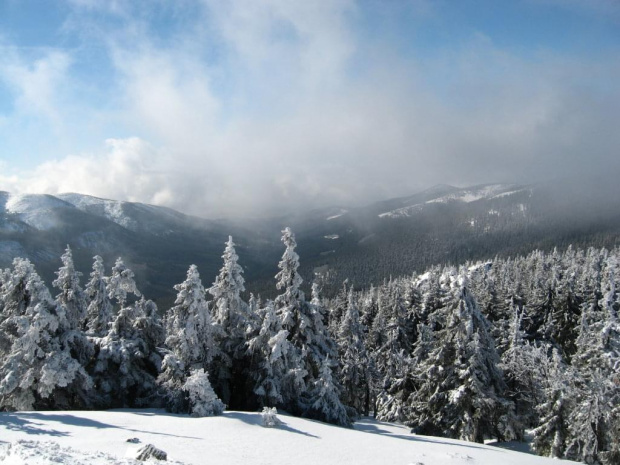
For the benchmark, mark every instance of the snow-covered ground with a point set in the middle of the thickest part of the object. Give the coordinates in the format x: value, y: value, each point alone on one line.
x: 235, y: 438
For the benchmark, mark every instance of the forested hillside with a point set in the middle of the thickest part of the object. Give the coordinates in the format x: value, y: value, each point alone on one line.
x: 483, y: 350
x: 365, y: 244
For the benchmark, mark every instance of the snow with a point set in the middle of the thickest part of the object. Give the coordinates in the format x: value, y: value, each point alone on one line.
x: 110, y: 209
x: 34, y: 209
x: 366, y: 238
x: 473, y: 194
x: 506, y: 194
x: 337, y: 215
x: 468, y: 195
x: 332, y: 236
x: 235, y: 438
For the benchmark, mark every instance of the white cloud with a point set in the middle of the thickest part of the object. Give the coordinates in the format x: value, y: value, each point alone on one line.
x: 257, y: 107
x: 36, y: 83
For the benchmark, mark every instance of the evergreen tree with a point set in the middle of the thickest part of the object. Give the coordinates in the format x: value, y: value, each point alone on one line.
x: 307, y: 334
x: 71, y: 307
x: 464, y: 365
x: 202, y: 399
x: 121, y: 283
x: 71, y: 298
x: 127, y: 360
x: 354, y: 376
x: 99, y: 313
x: 288, y: 281
x: 230, y: 315
x: 325, y: 398
x: 189, y: 338
x: 34, y: 363
x: 551, y: 435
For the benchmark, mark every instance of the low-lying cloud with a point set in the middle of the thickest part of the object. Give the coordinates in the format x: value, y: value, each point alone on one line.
x: 256, y: 108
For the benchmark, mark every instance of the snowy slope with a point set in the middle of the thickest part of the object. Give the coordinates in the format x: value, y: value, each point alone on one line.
x: 113, y: 210
x: 236, y: 438
x: 467, y: 195
x: 35, y: 209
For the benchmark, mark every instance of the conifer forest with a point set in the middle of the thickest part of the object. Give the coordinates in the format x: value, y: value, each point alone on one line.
x: 496, y: 349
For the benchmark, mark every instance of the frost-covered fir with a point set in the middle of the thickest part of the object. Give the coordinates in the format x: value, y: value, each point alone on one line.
x: 71, y: 307
x: 100, y: 312
x: 231, y: 327
x: 202, y: 399
x: 325, y: 402
x: 354, y: 370
x: 189, y: 338
x: 129, y: 349
x: 121, y: 283
x: 34, y: 362
x: 307, y: 334
x: 271, y: 353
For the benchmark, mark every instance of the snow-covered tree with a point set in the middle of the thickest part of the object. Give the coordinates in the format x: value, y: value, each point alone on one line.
x: 229, y: 310
x: 71, y: 307
x: 550, y: 436
x: 100, y: 311
x: 304, y: 323
x: 354, y: 375
x: 202, y: 398
x: 464, y: 366
x: 189, y: 337
x: 128, y: 360
x: 121, y: 283
x: 288, y: 282
x: 71, y: 298
x: 325, y: 402
x: 230, y: 315
x: 270, y: 353
x: 34, y: 363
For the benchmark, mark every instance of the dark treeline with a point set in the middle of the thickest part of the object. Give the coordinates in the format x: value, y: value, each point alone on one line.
x: 485, y: 350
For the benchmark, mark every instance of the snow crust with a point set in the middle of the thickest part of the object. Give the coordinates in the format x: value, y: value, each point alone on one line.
x: 235, y: 438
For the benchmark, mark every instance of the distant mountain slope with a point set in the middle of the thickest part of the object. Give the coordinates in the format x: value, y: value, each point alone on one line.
x: 158, y: 243
x: 444, y: 224
x: 467, y: 195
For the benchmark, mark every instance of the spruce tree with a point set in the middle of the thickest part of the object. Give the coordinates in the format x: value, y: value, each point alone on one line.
x: 71, y: 307
x: 100, y: 311
x: 354, y: 375
x: 189, y: 339
x: 232, y: 322
x: 34, y: 363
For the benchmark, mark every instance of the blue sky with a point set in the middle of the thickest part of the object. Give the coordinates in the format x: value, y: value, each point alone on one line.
x: 223, y: 107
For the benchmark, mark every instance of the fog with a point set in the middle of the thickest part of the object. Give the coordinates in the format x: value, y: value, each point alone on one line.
x: 252, y: 108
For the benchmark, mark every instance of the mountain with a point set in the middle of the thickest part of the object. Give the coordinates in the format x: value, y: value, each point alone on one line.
x: 234, y: 438
x: 447, y: 224
x: 444, y: 224
x: 157, y: 243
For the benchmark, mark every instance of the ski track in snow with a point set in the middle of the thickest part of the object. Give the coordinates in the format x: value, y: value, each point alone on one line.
x: 235, y: 438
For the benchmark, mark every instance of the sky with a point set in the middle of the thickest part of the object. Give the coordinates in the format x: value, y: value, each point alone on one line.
x: 251, y: 107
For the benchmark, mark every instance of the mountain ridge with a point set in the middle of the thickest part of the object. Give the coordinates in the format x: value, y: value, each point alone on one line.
x: 442, y: 224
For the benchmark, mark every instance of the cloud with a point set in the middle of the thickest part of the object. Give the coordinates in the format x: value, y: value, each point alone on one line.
x: 35, y: 83
x: 254, y: 108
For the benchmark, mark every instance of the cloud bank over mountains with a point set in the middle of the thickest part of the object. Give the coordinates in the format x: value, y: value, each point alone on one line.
x: 221, y: 108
